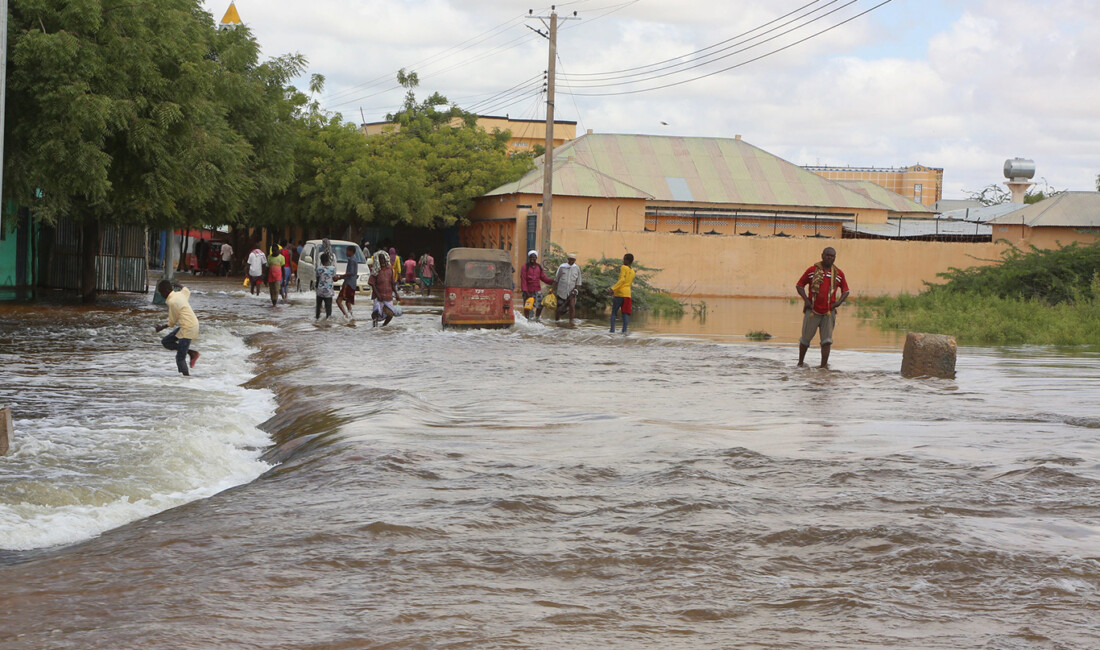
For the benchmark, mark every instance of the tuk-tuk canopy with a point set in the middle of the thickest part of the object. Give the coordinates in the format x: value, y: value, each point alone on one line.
x: 473, y: 268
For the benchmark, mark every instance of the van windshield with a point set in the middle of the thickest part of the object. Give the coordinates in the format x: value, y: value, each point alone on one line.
x: 342, y: 254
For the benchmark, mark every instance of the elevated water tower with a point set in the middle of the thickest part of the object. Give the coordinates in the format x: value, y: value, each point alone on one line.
x: 1019, y: 172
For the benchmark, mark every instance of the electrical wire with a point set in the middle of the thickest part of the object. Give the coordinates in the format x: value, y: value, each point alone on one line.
x: 595, y: 83
x: 460, y: 47
x: 738, y: 65
x: 702, y: 50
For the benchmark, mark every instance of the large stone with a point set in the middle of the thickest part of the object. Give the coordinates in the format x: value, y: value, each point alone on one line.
x: 5, y: 430
x: 929, y: 355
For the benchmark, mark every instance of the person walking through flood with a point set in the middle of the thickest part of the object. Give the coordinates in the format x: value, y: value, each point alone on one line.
x: 620, y: 292
x: 288, y: 269
x: 275, y: 263
x: 326, y: 273
x: 183, y: 319
x: 567, y: 282
x: 819, y: 307
x: 531, y: 278
x: 410, y: 270
x: 346, y: 300
x: 256, y: 262
x: 427, y: 273
x: 227, y: 259
x: 383, y: 291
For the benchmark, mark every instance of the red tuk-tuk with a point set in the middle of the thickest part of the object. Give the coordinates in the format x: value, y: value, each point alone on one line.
x: 477, y: 291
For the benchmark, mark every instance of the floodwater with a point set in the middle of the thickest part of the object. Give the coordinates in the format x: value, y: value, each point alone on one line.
x: 323, y: 486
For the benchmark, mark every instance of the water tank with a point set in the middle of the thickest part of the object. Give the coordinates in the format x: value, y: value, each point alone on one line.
x: 1018, y: 169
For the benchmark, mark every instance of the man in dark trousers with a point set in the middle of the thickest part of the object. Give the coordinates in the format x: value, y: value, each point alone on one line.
x: 824, y: 279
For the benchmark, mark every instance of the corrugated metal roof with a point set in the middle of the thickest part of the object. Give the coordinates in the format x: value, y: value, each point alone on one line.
x: 892, y: 200
x: 572, y: 179
x: 981, y: 213
x: 1072, y: 209
x: 714, y: 170
x: 910, y: 228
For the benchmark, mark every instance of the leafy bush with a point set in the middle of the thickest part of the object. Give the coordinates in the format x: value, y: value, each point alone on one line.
x: 1041, y: 297
x: 1052, y: 276
x: 598, y: 276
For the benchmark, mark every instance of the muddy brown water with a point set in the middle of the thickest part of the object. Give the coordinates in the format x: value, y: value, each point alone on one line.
x: 322, y: 485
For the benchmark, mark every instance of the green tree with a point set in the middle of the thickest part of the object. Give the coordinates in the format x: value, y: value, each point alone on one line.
x: 138, y: 113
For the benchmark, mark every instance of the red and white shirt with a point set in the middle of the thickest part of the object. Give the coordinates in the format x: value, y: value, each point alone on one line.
x: 823, y: 302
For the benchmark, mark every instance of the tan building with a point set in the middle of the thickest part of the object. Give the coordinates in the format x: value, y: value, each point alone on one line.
x: 717, y: 215
x: 525, y: 133
x: 1066, y: 218
x: 919, y: 183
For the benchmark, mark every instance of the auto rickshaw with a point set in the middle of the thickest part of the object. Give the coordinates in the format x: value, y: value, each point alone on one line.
x: 477, y: 289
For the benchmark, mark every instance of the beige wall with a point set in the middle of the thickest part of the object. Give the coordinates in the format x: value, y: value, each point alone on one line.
x: 717, y: 265
x: 769, y: 266
x: 1046, y: 236
x: 922, y: 184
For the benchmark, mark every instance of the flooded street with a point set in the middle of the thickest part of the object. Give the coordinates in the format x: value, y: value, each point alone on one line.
x: 320, y: 485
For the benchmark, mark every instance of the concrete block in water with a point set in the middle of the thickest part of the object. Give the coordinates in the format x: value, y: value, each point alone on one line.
x: 5, y: 430
x: 929, y: 355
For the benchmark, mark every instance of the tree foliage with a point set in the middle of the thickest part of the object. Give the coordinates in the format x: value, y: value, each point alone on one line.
x: 140, y: 113
x: 144, y: 113
x: 1038, y: 297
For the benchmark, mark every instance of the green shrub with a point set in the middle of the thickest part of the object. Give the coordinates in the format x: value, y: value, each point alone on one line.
x: 598, y: 276
x: 1043, y: 297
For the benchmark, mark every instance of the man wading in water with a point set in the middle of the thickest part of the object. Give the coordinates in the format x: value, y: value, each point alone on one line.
x: 819, y: 312
x: 183, y: 319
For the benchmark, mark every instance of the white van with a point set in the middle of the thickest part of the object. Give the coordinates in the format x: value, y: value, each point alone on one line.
x: 310, y: 260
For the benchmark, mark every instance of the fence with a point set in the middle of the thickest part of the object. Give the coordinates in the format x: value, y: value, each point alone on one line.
x: 120, y: 266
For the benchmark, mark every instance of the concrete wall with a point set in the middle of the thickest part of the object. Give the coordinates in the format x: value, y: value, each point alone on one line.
x: 1044, y: 237
x: 702, y: 265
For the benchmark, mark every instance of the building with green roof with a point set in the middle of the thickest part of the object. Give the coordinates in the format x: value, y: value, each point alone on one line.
x: 684, y: 185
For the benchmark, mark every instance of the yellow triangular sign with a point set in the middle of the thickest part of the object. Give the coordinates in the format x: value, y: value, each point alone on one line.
x: 231, y: 16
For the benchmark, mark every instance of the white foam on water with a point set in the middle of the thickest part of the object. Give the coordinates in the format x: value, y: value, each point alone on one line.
x: 105, y: 439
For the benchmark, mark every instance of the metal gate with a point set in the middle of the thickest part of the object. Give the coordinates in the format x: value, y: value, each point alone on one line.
x: 120, y: 266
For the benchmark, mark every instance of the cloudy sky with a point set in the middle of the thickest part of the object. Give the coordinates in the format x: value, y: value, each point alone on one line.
x: 957, y: 84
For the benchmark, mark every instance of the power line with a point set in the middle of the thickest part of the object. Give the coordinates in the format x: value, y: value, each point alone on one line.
x: 701, y: 50
x: 594, y: 83
x: 505, y: 46
x: 464, y: 45
x: 506, y: 96
x: 738, y: 65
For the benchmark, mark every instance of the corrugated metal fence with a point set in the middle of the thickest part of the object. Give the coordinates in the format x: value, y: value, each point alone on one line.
x: 120, y: 266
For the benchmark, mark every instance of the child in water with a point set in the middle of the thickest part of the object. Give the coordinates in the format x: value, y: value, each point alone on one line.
x: 183, y: 319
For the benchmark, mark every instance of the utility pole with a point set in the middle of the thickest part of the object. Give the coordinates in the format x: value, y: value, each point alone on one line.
x: 548, y: 155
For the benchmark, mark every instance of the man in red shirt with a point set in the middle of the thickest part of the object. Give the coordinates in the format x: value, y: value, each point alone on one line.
x: 819, y: 311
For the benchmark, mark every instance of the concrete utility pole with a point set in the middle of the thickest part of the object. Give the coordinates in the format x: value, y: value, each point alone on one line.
x: 548, y: 155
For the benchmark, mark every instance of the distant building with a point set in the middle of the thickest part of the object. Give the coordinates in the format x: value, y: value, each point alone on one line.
x: 919, y: 183
x: 525, y: 133
x: 720, y: 217
x: 1065, y: 218
x: 231, y: 19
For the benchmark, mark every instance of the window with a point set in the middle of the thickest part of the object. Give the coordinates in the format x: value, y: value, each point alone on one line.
x: 480, y: 270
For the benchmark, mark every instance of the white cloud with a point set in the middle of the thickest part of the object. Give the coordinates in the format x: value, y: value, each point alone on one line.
x: 960, y: 85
